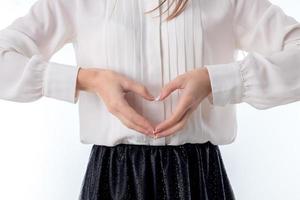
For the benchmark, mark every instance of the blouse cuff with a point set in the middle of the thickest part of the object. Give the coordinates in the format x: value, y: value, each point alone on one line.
x: 226, y: 83
x: 60, y: 82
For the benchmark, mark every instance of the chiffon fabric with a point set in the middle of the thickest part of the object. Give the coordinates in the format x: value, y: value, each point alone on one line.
x: 128, y: 171
x: 119, y: 36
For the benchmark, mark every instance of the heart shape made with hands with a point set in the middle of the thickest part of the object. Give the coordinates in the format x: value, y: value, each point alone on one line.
x: 194, y: 86
x: 176, y: 121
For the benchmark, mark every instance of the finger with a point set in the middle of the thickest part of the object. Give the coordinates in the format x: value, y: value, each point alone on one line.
x: 131, y: 85
x: 169, y: 88
x: 179, y: 125
x: 132, y: 125
x: 184, y: 104
x: 129, y: 113
x: 122, y: 109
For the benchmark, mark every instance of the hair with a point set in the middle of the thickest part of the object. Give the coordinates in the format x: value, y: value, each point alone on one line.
x: 179, y: 8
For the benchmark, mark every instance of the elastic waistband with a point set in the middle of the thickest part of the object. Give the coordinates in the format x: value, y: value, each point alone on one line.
x: 144, y: 146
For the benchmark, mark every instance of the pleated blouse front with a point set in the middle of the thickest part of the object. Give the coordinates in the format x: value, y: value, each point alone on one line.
x: 118, y: 35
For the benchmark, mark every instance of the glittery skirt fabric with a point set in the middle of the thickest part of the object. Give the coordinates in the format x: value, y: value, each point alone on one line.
x: 144, y: 172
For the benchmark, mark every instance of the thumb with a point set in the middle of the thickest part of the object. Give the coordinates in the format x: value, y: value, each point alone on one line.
x: 168, y: 89
x: 139, y: 89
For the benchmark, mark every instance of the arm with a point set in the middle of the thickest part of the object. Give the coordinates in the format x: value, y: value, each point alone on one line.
x: 270, y: 74
x: 26, y: 46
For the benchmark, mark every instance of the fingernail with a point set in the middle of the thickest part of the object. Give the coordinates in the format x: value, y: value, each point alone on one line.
x: 152, y: 97
x: 157, y: 130
x: 156, y: 136
x: 157, y: 98
x: 150, y: 131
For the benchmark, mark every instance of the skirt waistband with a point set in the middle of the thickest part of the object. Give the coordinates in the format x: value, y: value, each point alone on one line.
x: 185, y: 145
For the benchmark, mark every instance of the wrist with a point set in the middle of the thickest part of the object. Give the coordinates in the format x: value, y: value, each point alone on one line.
x: 207, y: 79
x: 204, y: 80
x: 86, y: 79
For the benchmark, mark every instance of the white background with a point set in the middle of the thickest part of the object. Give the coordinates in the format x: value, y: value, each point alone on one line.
x: 41, y: 157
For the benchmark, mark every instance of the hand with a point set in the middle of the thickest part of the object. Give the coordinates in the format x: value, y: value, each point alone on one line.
x: 196, y: 86
x: 111, y: 87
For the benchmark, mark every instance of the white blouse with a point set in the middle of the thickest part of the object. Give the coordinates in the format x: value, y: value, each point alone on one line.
x: 117, y: 35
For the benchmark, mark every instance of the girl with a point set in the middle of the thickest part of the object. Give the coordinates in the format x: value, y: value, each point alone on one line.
x: 129, y: 52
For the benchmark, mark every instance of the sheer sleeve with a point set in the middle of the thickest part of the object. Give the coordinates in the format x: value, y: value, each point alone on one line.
x: 270, y: 74
x: 26, y: 46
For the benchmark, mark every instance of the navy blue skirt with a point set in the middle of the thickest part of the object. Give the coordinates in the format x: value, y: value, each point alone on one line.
x: 142, y: 172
